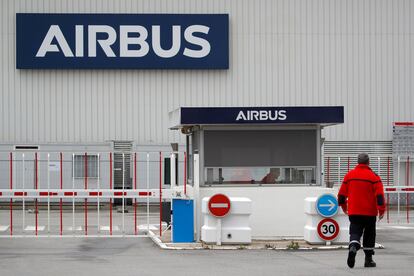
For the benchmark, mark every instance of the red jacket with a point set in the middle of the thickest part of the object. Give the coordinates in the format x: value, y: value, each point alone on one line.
x: 364, y: 190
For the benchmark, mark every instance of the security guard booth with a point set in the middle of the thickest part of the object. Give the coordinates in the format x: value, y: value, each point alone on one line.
x: 271, y: 155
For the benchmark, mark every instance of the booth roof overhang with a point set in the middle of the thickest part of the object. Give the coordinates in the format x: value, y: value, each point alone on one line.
x: 264, y: 115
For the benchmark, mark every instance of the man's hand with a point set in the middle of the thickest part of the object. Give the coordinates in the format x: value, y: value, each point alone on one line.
x: 380, y: 216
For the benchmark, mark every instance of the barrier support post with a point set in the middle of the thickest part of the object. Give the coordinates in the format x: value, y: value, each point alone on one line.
x: 110, y: 187
x: 185, y: 173
x: 61, y: 187
x: 388, y: 195
x: 86, y: 187
x: 407, y: 183
x: 11, y: 188
x: 160, y: 194
x: 36, y: 183
x: 135, y: 187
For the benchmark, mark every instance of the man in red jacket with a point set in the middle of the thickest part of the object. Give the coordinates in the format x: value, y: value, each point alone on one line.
x: 361, y: 196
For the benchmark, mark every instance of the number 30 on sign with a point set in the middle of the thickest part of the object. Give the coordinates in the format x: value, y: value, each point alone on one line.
x: 328, y: 229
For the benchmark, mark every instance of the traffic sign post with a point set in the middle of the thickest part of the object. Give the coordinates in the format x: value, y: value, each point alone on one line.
x: 219, y: 206
x: 327, y: 205
x: 328, y: 229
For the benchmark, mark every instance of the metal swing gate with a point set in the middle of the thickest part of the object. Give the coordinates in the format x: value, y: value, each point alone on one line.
x: 73, y: 194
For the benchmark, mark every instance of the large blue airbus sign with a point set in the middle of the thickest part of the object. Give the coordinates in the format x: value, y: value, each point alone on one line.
x: 122, y: 41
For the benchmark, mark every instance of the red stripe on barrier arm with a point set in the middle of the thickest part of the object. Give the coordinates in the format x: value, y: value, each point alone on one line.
x: 86, y: 200
x: 185, y: 173
x: 408, y: 189
x: 135, y: 187
x: 110, y: 187
x: 388, y: 184
x: 160, y: 196
x: 120, y: 193
x: 404, y: 123
x: 20, y: 193
x: 37, y: 185
x: 11, y: 188
x: 144, y: 193
x: 48, y: 194
x: 61, y: 187
x: 390, y: 189
x: 70, y: 193
x: 95, y: 193
x: 407, y: 182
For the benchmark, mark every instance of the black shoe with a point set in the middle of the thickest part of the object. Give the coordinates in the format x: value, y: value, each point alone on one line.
x: 351, y: 256
x: 369, y: 262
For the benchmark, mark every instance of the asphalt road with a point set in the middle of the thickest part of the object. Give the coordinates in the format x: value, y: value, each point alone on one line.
x: 139, y: 256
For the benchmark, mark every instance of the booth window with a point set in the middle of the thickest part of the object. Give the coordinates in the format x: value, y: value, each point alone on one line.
x: 260, y: 157
x: 92, y: 166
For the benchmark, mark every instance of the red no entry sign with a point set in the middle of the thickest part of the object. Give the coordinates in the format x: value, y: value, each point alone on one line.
x: 328, y: 229
x: 219, y: 205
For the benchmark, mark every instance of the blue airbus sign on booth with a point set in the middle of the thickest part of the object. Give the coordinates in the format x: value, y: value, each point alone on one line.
x: 122, y: 41
x: 323, y: 115
x: 327, y: 205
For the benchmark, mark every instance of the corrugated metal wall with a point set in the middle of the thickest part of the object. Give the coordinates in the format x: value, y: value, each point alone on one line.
x: 353, y: 53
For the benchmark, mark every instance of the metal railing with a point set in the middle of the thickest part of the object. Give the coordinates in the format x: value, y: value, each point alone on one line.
x: 48, y: 194
x: 395, y: 172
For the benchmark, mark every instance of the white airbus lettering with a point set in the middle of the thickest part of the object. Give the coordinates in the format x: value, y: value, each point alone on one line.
x: 204, y: 44
x: 132, y: 41
x: 47, y: 46
x: 126, y: 40
x: 262, y: 115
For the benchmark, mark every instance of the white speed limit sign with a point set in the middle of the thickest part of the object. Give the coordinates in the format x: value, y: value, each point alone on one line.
x: 328, y: 229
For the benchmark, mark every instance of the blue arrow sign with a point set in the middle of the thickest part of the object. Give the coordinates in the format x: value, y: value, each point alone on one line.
x: 327, y: 205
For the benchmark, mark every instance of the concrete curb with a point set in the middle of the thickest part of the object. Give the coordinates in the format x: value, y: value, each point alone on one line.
x: 199, y: 246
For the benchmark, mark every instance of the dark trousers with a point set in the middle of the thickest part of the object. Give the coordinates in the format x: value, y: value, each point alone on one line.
x: 362, y: 226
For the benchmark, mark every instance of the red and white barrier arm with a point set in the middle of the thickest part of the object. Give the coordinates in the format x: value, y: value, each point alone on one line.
x: 398, y: 190
x: 78, y: 193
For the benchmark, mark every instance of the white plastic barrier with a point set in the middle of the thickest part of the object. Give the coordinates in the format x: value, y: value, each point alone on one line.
x: 235, y: 228
x: 313, y: 218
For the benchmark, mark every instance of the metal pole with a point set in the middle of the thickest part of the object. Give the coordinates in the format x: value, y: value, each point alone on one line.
x: 407, y: 182
x: 379, y: 165
x: 11, y: 189
x: 48, y: 194
x: 348, y: 163
x: 73, y: 193
x: 61, y: 188
x: 197, y: 206
x: 185, y: 173
x: 123, y: 193
x: 148, y: 164
x: 86, y: 187
x: 398, y: 190
x: 388, y: 195
x: 99, y: 190
x: 135, y: 199
x: 23, y: 180
x: 339, y: 170
x: 328, y: 171
x: 160, y: 196
x: 36, y: 183
x: 110, y: 187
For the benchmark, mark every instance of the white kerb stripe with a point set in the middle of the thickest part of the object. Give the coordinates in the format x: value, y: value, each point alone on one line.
x: 219, y: 205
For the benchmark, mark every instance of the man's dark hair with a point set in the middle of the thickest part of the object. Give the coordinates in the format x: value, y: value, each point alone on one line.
x: 363, y: 158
